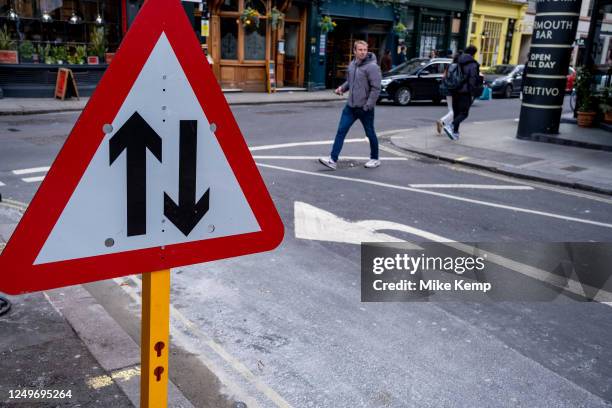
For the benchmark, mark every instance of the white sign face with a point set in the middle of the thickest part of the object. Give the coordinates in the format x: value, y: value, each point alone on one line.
x: 113, y: 209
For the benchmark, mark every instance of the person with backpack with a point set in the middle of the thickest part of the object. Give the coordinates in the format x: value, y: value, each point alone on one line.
x: 464, y: 83
x: 444, y: 91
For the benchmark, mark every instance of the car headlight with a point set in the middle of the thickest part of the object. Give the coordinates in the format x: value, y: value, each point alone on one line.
x: 385, y: 82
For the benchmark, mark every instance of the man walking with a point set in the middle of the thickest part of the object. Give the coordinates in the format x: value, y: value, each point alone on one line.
x: 363, y: 83
x: 462, y: 95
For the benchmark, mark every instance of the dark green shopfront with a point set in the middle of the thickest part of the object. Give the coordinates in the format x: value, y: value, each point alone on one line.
x: 438, y: 25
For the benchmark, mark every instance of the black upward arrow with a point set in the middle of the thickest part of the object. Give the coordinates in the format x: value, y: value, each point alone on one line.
x: 187, y: 213
x: 136, y: 136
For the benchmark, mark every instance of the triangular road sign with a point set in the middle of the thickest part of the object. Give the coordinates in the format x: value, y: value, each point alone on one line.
x: 155, y: 173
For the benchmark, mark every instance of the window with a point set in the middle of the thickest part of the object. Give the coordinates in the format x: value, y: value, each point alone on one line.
x: 255, y: 43
x: 237, y: 42
x: 229, y: 38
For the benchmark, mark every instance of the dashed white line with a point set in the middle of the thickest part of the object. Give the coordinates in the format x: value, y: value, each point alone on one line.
x: 2, y: 184
x: 31, y: 170
x: 314, y: 143
x: 476, y: 186
x: 33, y: 179
x: 316, y: 157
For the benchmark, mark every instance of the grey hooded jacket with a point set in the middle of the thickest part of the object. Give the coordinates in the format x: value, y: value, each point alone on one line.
x: 363, y: 82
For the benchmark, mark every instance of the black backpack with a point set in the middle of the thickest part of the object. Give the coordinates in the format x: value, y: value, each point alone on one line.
x: 455, y: 78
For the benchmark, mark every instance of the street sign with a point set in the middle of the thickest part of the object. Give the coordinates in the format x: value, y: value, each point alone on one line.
x: 155, y: 174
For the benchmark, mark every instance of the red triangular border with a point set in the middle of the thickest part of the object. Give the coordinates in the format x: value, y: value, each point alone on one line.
x: 18, y: 274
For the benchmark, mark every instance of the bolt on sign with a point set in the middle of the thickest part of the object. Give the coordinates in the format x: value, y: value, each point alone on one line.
x: 155, y: 173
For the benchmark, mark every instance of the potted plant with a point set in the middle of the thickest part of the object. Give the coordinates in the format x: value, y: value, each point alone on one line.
x: 97, y: 46
x: 8, y: 53
x: 250, y: 19
x: 44, y: 54
x: 606, y: 104
x: 26, y: 51
x: 327, y: 24
x: 276, y: 18
x: 586, y: 101
x: 59, y: 54
x: 400, y: 30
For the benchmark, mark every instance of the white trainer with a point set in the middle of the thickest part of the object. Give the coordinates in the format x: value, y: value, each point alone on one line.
x: 327, y: 161
x: 372, y: 163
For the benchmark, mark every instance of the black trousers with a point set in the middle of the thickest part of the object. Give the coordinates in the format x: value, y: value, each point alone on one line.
x: 461, y: 109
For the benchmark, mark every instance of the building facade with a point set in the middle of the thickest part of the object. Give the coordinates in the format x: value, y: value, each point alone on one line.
x: 44, y: 35
x: 431, y: 26
x: 496, y: 30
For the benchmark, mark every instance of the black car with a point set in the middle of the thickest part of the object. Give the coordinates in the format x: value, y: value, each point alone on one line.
x: 415, y: 80
x: 504, y: 80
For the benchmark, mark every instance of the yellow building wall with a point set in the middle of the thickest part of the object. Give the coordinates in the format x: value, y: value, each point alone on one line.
x: 497, y: 11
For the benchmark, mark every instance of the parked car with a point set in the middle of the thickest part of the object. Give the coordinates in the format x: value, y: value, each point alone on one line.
x: 571, y: 79
x: 415, y: 80
x: 504, y: 80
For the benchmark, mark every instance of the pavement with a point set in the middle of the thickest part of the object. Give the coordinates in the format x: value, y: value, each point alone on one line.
x: 64, y: 339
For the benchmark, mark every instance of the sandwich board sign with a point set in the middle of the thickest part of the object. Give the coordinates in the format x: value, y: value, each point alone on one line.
x: 155, y: 173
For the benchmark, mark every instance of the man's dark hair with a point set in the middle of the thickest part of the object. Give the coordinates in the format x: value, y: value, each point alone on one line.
x: 470, y: 49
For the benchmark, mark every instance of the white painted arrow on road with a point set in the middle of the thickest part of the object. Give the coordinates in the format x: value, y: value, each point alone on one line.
x: 319, y: 225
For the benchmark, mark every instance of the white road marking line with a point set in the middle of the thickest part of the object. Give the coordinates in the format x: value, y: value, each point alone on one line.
x: 231, y: 360
x: 315, y: 143
x: 2, y: 184
x: 31, y: 170
x: 516, y: 119
x: 316, y: 157
x: 452, y: 197
x: 33, y: 179
x: 476, y: 186
x: 484, y: 173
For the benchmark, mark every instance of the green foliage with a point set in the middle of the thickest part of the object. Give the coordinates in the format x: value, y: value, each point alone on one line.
x: 81, y: 54
x: 587, y: 102
x: 43, y: 54
x: 97, y: 46
x: 606, y: 100
x: 26, y: 50
x: 250, y: 19
x: 6, y: 43
x: 400, y: 30
x: 58, y: 53
x: 327, y: 24
x: 276, y: 17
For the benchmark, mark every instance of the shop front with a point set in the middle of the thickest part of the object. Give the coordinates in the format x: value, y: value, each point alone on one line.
x: 496, y: 30
x: 39, y: 36
x: 251, y: 38
x: 431, y: 28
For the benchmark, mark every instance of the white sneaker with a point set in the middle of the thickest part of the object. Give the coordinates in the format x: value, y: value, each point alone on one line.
x: 327, y: 161
x: 372, y: 163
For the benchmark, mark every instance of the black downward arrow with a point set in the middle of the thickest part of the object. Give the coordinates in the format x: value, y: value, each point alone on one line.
x: 187, y: 213
x: 136, y: 136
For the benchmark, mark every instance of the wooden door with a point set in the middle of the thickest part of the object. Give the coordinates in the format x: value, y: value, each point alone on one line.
x: 292, y: 55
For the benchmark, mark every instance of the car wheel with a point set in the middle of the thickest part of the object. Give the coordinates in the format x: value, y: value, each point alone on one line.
x: 403, y: 96
x: 508, y: 91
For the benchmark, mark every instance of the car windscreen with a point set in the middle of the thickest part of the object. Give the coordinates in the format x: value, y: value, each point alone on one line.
x: 499, y: 70
x: 409, y: 67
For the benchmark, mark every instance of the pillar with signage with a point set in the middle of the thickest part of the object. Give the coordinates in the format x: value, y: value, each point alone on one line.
x: 554, y: 31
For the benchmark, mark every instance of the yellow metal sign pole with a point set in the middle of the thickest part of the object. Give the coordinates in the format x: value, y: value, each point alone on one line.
x: 154, y: 340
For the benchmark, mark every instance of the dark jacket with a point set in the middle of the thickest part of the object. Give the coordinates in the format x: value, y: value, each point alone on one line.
x: 363, y: 83
x: 471, y: 70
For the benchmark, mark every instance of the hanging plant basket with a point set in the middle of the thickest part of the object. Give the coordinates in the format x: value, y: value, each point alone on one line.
x: 276, y: 18
x: 327, y: 24
x: 250, y: 19
x: 400, y: 30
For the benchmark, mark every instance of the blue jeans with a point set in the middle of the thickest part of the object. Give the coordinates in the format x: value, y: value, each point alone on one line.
x: 349, y: 116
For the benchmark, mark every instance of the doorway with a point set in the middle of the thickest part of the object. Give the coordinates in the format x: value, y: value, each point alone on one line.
x: 292, y: 55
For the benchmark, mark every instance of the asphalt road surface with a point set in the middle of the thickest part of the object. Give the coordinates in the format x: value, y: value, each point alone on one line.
x: 287, y: 328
